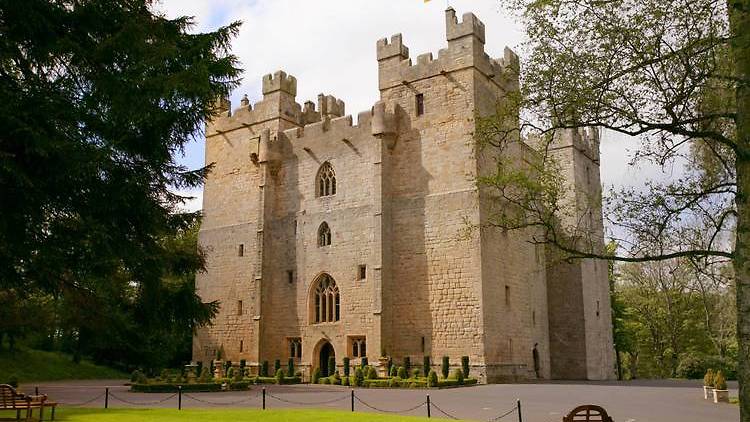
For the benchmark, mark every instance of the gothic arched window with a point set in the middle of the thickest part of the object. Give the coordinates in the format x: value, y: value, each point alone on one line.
x: 326, y: 300
x: 324, y: 235
x: 326, y: 180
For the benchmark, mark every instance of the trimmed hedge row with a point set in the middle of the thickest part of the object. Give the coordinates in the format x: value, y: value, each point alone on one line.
x: 172, y: 388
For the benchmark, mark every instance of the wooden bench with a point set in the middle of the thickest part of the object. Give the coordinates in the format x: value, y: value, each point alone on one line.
x: 10, y: 399
x: 588, y: 413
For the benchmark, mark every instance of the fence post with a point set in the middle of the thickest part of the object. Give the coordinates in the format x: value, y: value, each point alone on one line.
x: 106, y: 398
x: 264, y: 398
x: 518, y: 406
x: 179, y: 397
x: 36, y: 390
x: 428, y: 406
x: 352, y: 400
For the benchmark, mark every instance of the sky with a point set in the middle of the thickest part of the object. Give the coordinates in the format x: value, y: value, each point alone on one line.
x: 329, y: 46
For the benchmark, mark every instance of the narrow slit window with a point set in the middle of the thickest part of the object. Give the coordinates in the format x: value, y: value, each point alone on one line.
x: 507, y: 295
x: 362, y: 272
x: 242, y: 346
x: 241, y: 250
x: 290, y: 276
x: 239, y: 307
x: 420, y: 104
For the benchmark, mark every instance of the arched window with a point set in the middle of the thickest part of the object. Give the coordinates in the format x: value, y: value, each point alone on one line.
x: 324, y: 235
x: 326, y: 298
x: 326, y: 180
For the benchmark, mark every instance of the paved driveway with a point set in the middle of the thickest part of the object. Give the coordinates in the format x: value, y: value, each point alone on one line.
x: 641, y: 401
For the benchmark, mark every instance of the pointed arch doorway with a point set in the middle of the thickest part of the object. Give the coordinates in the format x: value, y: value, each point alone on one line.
x: 326, y: 352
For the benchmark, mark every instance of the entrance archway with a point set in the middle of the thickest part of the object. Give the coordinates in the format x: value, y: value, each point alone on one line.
x: 326, y: 352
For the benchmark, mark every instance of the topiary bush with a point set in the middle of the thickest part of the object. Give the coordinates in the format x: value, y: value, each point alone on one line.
x: 243, y: 364
x: 708, y: 379
x: 205, y: 376
x: 325, y: 380
x: 238, y: 375
x: 465, y: 365
x: 458, y: 375
x: 276, y: 365
x: 315, y: 376
x: 364, y: 362
x: 280, y: 376
x: 394, y: 371
x: 719, y: 382
x: 336, y: 378
x: 372, y: 373
x: 290, y: 367
x: 264, y: 369
x: 416, y: 373
x: 445, y: 367
x: 346, y: 366
x: 432, y: 379
x: 359, y: 377
x: 331, y: 365
x: 401, y: 372
x: 230, y: 373
x: 394, y: 382
x: 426, y: 365
x: 407, y: 364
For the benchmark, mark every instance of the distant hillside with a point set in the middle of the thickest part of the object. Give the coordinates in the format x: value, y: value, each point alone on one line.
x: 30, y: 365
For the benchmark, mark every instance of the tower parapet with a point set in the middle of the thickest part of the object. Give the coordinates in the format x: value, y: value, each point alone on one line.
x: 465, y: 49
x: 280, y: 81
x: 330, y: 106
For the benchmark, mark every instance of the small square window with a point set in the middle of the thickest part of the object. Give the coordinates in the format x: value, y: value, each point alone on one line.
x: 362, y: 272
x: 241, y: 250
x: 420, y: 104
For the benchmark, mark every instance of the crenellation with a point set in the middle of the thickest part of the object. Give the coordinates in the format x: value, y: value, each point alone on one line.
x: 280, y: 81
x: 394, y: 48
x: 469, y: 25
x: 330, y: 106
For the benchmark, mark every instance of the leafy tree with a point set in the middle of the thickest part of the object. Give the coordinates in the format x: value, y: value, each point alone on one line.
x: 674, y: 73
x: 98, y: 99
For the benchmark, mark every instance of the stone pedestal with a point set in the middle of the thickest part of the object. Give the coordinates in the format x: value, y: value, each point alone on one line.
x: 721, y: 396
x: 383, y: 367
x: 218, y: 368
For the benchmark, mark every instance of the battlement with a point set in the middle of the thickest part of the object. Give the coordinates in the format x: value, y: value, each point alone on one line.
x: 469, y: 25
x: 394, y: 48
x: 463, y: 52
x: 330, y: 106
x: 279, y: 81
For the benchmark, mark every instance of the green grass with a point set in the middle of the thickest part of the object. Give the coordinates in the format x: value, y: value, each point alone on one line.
x: 235, y: 415
x: 31, y: 365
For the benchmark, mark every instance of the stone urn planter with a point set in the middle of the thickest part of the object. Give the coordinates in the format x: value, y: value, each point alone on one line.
x: 383, y: 366
x: 218, y: 368
x: 721, y: 396
x: 708, y: 392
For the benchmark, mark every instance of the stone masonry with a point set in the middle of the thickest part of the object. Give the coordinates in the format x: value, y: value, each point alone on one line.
x: 300, y: 200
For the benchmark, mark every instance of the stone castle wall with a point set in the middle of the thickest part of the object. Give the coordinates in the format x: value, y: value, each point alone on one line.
x: 405, y: 203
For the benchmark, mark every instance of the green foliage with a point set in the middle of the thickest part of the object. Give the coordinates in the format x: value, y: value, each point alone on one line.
x: 695, y: 365
x: 90, y: 220
x: 264, y: 369
x: 432, y: 379
x: 445, y: 367
x: 172, y: 388
x: 394, y: 382
x: 280, y: 376
x: 426, y: 365
x: 720, y: 383
x: 335, y: 378
x: 315, y: 376
x: 331, y: 365
x: 345, y: 381
x: 346, y: 366
x: 416, y: 373
x: 407, y: 364
x: 325, y: 380
x: 205, y: 376
x: 276, y: 365
x: 394, y: 371
x: 372, y: 373
x: 199, y: 368
x: 402, y: 372
x: 708, y: 379
x: 243, y: 363
x: 458, y: 375
x: 13, y: 381
x: 358, y: 378
x: 363, y: 363
x: 290, y: 367
x: 238, y: 375
x: 465, y: 365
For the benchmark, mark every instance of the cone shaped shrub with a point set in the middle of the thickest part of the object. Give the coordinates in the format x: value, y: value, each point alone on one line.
x: 445, y: 368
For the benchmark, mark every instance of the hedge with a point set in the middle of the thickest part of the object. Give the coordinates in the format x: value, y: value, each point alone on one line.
x: 173, y: 388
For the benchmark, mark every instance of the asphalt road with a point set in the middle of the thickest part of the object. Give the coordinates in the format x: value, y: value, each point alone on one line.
x: 639, y: 401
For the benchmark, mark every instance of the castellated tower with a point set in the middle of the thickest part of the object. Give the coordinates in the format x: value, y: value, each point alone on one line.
x: 329, y: 239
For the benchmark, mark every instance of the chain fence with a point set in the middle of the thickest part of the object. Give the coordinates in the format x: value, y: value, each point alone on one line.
x: 263, y: 395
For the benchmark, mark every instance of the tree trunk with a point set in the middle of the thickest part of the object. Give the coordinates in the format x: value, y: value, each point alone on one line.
x: 739, y: 20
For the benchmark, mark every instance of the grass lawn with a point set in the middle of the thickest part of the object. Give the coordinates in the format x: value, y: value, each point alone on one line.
x: 200, y: 415
x: 30, y: 365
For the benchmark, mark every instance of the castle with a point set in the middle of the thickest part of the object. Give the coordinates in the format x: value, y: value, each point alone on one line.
x: 325, y: 238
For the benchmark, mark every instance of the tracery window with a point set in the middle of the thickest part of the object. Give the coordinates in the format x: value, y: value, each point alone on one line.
x: 326, y: 298
x: 324, y: 234
x: 358, y: 347
x: 326, y: 180
x: 295, y: 347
